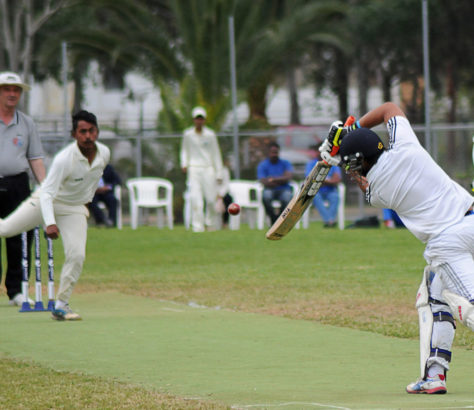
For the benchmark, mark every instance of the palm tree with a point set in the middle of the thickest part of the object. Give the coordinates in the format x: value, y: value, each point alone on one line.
x: 271, y: 38
x: 121, y: 35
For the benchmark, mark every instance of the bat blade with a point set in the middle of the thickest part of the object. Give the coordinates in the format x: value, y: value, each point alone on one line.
x: 302, y: 199
x: 299, y: 203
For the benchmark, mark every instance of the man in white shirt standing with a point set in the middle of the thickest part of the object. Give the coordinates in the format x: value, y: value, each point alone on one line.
x: 436, y: 209
x: 201, y: 161
x: 60, y: 204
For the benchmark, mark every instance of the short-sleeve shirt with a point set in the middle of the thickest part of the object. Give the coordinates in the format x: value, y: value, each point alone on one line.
x: 267, y: 169
x: 407, y: 180
x: 19, y: 143
x: 333, y: 171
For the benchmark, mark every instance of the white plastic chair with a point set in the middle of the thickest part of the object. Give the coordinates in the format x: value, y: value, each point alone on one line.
x: 118, y: 196
x: 248, y: 194
x: 341, y: 189
x: 149, y: 192
x: 276, y: 204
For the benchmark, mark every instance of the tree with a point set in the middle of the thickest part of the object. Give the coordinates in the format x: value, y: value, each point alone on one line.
x: 271, y: 37
x: 121, y: 35
x: 22, y: 21
x: 272, y: 40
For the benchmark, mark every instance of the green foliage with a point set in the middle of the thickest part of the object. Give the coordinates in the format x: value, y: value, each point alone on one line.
x: 178, y: 102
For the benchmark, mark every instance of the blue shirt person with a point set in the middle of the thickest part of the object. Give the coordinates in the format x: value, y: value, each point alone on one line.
x: 275, y: 173
x: 326, y: 200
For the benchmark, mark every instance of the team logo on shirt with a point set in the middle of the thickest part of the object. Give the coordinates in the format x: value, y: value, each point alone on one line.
x: 18, y: 141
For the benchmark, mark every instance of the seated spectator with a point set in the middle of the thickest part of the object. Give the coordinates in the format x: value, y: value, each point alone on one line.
x: 275, y: 173
x: 105, y: 193
x: 326, y: 200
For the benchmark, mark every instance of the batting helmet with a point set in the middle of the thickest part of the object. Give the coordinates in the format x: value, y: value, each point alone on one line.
x: 360, y: 144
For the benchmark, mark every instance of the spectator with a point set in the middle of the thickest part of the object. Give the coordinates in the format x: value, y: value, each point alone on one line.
x: 326, y: 200
x: 106, y: 193
x: 21, y: 151
x: 59, y: 204
x: 201, y: 161
x: 275, y: 174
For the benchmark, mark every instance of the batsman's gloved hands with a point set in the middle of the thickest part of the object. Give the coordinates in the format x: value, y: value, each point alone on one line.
x: 330, y: 147
x: 325, y: 149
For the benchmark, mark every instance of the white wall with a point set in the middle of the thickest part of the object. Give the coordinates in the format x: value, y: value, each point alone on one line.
x: 47, y: 102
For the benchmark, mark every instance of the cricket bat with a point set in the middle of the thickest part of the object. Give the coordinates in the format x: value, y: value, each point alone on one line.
x: 302, y: 199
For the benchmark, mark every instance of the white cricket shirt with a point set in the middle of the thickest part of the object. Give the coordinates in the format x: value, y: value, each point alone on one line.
x: 201, y: 150
x: 407, y: 180
x: 71, y: 179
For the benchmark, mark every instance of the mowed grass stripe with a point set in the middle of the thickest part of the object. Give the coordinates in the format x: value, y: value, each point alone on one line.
x: 231, y: 357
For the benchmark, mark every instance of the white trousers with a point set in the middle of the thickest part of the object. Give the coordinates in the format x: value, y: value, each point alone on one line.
x: 451, y: 257
x: 202, y: 187
x: 72, y: 223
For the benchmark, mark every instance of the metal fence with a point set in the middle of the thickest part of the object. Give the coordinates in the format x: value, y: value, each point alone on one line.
x: 148, y: 153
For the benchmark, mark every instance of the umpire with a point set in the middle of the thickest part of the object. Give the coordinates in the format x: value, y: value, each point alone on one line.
x: 20, y: 149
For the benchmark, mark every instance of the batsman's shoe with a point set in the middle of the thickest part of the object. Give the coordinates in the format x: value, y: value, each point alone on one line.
x: 430, y: 385
x: 65, y: 314
x: 18, y: 300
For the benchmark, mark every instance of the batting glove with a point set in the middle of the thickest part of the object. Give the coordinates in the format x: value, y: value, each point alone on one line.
x: 329, y: 159
x: 333, y: 137
x: 327, y: 146
x: 336, y: 133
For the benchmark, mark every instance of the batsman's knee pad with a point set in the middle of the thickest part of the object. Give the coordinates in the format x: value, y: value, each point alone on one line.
x: 462, y: 308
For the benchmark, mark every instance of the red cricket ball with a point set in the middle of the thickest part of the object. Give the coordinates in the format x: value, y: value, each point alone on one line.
x: 233, y: 209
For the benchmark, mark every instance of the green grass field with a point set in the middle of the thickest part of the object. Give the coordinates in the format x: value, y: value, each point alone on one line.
x: 227, y: 319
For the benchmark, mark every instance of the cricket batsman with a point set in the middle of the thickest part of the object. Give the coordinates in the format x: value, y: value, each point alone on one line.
x: 436, y: 209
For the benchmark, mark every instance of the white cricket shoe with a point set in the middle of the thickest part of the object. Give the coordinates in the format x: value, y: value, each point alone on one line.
x: 18, y: 300
x: 65, y: 314
x: 430, y: 385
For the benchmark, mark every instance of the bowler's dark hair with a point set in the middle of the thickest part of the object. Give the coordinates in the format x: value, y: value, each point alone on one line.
x: 83, y: 116
x: 273, y: 144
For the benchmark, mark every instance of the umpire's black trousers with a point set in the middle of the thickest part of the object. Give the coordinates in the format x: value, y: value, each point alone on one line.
x: 13, y: 191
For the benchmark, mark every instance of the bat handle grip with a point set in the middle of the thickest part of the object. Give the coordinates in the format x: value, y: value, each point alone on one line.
x: 349, y: 121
